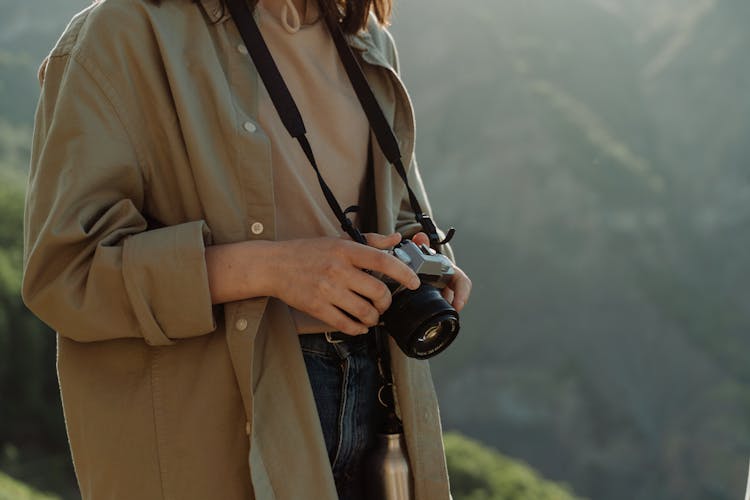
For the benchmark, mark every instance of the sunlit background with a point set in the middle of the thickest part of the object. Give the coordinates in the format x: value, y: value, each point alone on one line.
x: 594, y: 156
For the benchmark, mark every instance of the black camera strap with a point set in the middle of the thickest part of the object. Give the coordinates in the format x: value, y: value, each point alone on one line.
x: 284, y: 103
x: 292, y: 119
x: 383, y: 132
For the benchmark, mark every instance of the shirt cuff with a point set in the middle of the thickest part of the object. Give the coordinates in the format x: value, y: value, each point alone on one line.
x: 165, y: 276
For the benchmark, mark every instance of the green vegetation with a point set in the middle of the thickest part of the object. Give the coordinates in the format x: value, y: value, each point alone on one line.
x: 14, y: 149
x: 10, y: 489
x: 479, y: 473
x: 594, y: 158
x: 476, y: 473
x: 33, y: 445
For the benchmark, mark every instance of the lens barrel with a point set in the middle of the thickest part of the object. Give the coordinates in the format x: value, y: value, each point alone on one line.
x: 421, y: 322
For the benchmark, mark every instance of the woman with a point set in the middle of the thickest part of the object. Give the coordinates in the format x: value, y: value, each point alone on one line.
x: 179, y: 244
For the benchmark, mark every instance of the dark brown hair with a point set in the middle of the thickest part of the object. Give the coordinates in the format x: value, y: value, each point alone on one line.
x: 352, y: 13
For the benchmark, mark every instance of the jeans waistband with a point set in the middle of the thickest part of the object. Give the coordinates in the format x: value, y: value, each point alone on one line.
x: 337, y: 343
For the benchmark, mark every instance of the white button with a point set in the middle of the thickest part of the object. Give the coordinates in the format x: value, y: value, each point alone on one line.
x: 242, y: 49
x: 256, y: 228
x: 241, y: 324
x: 249, y: 126
x: 248, y: 428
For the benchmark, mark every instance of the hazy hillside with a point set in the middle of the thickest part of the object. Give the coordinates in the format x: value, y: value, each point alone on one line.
x: 594, y: 156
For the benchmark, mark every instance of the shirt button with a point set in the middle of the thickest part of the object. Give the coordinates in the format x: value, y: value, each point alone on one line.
x: 242, y: 49
x: 249, y: 126
x: 256, y: 228
x: 241, y: 324
x: 248, y: 428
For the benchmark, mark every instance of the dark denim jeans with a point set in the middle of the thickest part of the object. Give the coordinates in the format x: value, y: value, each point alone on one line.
x: 345, y: 381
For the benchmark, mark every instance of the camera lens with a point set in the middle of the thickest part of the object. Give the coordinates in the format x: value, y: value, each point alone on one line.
x: 431, y: 333
x: 421, y: 322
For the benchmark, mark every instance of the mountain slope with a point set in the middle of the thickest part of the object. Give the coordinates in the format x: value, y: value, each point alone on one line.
x: 592, y: 155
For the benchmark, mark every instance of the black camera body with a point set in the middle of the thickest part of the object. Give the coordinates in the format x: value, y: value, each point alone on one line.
x: 421, y: 321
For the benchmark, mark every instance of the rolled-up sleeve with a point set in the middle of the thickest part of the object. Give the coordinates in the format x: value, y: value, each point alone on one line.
x: 93, y: 269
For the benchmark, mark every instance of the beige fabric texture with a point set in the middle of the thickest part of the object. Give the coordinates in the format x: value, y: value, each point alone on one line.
x: 336, y: 125
x: 147, y: 148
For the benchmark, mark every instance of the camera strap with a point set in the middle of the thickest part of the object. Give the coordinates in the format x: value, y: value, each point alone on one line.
x: 284, y: 103
x: 293, y: 122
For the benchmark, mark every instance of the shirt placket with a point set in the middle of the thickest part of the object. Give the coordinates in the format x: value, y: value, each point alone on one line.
x: 253, y: 147
x: 254, y: 171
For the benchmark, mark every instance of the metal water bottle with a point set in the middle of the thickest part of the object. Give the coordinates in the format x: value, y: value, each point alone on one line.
x: 388, y: 473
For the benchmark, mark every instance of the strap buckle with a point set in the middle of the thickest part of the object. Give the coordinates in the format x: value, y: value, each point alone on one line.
x: 429, y: 227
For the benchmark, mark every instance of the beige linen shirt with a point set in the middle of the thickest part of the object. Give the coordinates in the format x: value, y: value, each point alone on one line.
x: 146, y: 149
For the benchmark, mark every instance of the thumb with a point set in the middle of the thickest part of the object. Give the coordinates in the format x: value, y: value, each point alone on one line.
x: 421, y: 239
x: 382, y: 242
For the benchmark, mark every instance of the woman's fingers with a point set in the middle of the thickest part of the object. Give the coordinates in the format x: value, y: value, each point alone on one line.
x: 383, y: 242
x: 421, y: 239
x: 335, y: 317
x: 461, y: 286
x: 381, y: 262
x: 447, y: 294
x: 359, y: 309
x: 371, y: 289
x: 458, y: 291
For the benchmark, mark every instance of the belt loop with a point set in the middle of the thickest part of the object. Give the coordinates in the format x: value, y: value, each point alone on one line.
x: 330, y: 339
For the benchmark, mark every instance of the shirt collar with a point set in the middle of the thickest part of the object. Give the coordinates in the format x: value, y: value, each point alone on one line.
x: 218, y: 13
x: 215, y: 10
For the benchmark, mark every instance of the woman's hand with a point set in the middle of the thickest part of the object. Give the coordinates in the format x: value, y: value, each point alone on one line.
x: 458, y: 290
x: 324, y: 277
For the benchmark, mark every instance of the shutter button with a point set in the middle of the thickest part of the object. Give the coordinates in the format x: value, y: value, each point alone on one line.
x: 241, y: 324
x: 256, y: 228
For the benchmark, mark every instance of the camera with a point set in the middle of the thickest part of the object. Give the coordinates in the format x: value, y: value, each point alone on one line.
x: 421, y: 321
